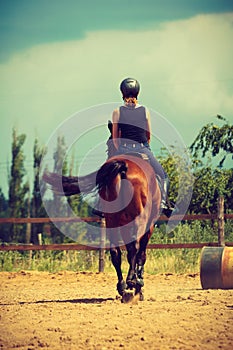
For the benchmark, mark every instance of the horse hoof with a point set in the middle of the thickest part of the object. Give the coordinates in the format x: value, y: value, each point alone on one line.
x: 127, y: 296
x: 121, y: 286
x: 139, y: 292
x: 140, y: 296
x: 131, y: 297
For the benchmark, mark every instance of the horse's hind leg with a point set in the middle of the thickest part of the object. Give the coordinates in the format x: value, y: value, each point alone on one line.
x: 116, y: 261
x: 139, y: 275
x: 132, y: 249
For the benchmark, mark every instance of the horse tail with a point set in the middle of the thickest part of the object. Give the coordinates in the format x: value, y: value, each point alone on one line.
x: 71, y: 185
x: 108, y: 172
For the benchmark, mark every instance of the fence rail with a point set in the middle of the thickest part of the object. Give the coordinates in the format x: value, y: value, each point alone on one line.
x: 73, y: 246
x: 220, y: 216
x: 189, y: 217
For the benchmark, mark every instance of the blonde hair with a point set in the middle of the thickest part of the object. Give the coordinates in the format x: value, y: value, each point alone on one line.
x: 131, y: 100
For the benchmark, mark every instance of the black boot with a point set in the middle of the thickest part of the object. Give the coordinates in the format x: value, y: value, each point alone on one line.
x: 166, y: 206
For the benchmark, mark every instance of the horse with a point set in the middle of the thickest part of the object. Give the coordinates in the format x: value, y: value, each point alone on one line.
x: 128, y: 186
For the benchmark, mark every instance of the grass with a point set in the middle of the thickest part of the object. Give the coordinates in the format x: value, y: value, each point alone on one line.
x: 158, y: 261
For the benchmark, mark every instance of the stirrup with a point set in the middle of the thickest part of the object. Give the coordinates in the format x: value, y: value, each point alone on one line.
x: 167, y: 209
x: 97, y: 212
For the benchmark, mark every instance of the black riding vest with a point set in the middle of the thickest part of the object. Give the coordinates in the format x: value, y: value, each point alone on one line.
x: 132, y: 123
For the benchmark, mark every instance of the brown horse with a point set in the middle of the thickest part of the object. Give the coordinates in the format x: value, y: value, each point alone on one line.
x: 130, y: 200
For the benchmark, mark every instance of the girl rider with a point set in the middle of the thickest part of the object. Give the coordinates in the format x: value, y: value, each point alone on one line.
x: 131, y: 132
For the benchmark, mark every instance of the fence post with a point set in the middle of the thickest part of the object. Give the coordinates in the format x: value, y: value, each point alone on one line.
x: 39, y: 238
x: 221, y: 238
x: 102, y: 245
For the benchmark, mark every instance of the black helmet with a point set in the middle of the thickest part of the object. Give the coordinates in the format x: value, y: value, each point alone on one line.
x: 130, y: 87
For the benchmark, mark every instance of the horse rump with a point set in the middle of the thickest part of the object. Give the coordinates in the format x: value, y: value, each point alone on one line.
x: 109, y: 171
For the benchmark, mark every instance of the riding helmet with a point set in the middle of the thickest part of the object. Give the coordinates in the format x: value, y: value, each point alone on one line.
x: 130, y: 87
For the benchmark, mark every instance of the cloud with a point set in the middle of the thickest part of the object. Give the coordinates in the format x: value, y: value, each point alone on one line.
x: 185, y: 69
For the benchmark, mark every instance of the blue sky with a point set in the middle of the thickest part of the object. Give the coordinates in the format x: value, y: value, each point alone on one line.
x: 26, y: 23
x: 59, y: 57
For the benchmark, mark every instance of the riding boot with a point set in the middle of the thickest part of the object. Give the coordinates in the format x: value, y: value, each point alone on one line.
x: 166, y: 206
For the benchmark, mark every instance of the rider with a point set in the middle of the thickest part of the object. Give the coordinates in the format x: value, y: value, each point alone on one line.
x: 131, y: 132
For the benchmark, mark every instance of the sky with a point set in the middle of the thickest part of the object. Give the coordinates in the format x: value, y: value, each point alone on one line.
x: 61, y: 57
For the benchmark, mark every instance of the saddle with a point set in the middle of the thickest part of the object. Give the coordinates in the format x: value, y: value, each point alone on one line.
x: 143, y: 156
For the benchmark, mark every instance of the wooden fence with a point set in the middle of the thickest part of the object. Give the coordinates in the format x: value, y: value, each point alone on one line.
x: 220, y: 217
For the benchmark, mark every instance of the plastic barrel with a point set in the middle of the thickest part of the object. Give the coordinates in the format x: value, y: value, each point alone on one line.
x: 217, y: 268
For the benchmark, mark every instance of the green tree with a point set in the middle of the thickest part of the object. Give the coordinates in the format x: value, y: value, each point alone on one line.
x: 3, y: 203
x: 60, y: 162
x: 215, y: 140
x: 180, y: 175
x: 18, y: 190
x: 37, y: 205
x: 212, y: 181
x: 3, y: 213
x: 210, y: 184
x: 79, y: 206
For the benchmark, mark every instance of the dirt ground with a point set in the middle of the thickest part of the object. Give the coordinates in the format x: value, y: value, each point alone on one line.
x: 71, y: 310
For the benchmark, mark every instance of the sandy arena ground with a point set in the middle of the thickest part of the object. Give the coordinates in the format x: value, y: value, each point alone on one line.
x: 71, y: 310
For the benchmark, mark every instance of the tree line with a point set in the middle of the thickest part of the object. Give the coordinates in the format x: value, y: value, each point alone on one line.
x: 210, y: 180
